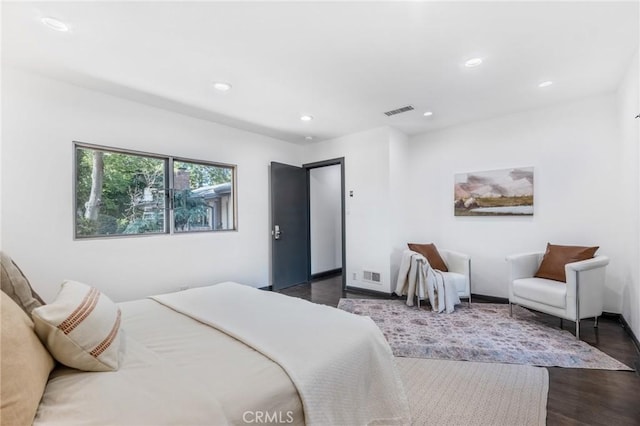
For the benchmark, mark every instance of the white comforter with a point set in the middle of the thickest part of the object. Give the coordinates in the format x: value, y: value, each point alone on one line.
x: 175, y: 371
x: 340, y: 363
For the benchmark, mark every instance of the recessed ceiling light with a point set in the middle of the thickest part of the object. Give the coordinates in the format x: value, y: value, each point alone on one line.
x: 306, y: 118
x: 222, y: 86
x: 55, y: 24
x: 428, y: 114
x: 308, y: 138
x: 473, y: 62
x: 545, y: 83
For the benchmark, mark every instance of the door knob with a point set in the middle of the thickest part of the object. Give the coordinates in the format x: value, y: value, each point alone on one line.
x: 276, y: 232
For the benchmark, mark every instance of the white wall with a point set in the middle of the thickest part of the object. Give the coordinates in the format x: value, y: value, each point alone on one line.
x: 401, y: 190
x: 578, y: 189
x: 628, y: 103
x: 326, y: 218
x: 585, y: 156
x: 42, y: 117
x: 367, y: 212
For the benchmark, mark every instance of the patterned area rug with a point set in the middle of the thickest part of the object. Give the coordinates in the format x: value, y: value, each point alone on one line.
x: 483, y: 332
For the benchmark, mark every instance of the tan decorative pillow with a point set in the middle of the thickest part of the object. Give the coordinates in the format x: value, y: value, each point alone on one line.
x: 16, y: 285
x: 81, y: 328
x: 25, y: 365
x: 431, y: 253
x: 556, y: 257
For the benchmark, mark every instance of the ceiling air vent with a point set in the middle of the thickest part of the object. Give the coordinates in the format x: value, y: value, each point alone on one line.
x: 399, y: 110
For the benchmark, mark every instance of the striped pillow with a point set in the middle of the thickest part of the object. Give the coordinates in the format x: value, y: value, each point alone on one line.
x: 81, y: 328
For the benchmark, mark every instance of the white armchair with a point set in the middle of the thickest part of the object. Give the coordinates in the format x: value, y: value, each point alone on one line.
x: 580, y: 297
x: 459, y: 266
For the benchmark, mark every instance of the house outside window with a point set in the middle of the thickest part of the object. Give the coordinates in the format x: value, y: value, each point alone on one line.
x: 123, y: 193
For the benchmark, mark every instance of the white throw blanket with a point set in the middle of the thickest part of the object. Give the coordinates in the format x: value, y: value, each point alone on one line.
x: 443, y: 294
x: 417, y: 278
x: 340, y: 363
x: 411, y: 276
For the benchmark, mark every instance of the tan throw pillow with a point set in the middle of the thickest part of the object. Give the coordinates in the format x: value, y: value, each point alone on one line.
x: 25, y: 365
x: 431, y: 253
x: 556, y: 257
x: 16, y: 285
x: 81, y: 328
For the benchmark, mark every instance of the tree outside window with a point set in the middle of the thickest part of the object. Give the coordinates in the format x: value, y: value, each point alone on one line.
x: 122, y: 193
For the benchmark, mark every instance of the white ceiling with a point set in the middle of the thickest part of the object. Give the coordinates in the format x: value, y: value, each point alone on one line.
x: 343, y: 63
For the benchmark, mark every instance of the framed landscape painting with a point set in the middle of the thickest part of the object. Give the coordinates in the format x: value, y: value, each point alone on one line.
x: 506, y: 192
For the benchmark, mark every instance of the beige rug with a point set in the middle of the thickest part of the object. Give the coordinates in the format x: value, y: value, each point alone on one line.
x: 443, y: 392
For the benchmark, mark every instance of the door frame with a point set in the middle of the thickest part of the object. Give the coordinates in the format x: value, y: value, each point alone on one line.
x: 315, y: 165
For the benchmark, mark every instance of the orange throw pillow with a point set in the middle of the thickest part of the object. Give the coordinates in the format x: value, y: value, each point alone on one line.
x: 431, y: 253
x: 556, y: 257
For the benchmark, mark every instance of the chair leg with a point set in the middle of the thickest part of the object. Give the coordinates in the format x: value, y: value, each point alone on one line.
x: 561, y: 323
x: 510, y: 309
x: 595, y: 324
x: 578, y: 329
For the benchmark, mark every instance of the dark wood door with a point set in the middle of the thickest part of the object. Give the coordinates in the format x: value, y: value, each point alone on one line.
x: 289, y: 226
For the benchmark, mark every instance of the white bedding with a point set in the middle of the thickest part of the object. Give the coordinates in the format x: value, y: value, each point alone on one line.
x: 341, y: 364
x: 215, y: 379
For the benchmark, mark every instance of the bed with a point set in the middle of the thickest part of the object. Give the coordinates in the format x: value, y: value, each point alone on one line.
x: 230, y: 354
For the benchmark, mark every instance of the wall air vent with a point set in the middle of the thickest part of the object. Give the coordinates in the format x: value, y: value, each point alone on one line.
x: 399, y: 110
x: 371, y: 276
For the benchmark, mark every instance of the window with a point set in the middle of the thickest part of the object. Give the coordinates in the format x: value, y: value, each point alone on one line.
x: 202, y: 197
x: 121, y: 193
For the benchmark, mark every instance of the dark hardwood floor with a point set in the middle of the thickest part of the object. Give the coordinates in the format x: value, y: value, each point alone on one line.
x: 576, y: 396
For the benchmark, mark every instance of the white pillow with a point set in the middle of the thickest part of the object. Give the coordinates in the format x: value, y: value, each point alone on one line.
x: 81, y: 328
